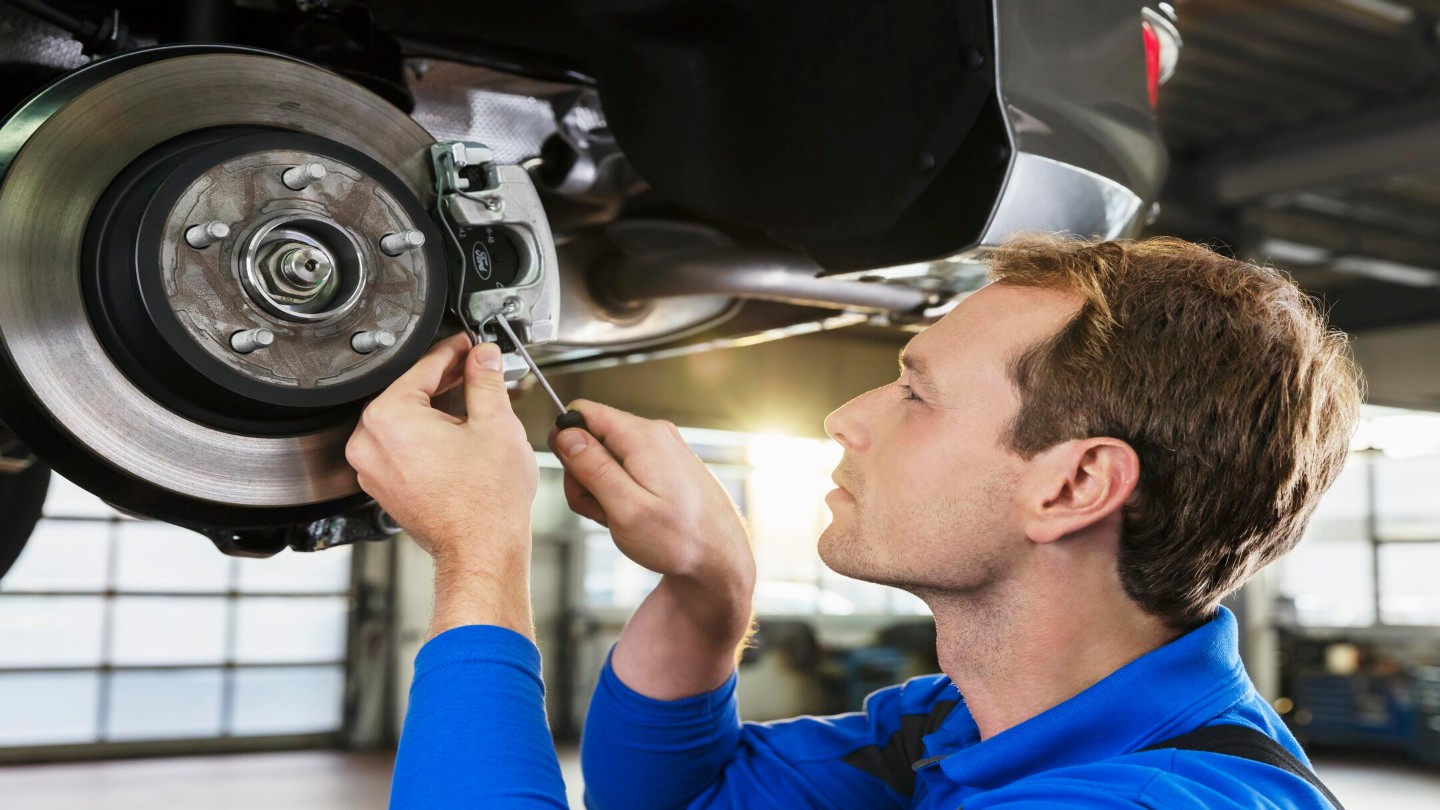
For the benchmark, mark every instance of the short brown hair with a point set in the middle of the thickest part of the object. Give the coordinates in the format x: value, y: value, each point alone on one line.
x: 1223, y: 377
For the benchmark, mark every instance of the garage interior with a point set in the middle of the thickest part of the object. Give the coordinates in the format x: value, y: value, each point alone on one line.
x: 139, y: 667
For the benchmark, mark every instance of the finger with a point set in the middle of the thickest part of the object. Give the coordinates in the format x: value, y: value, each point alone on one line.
x: 583, y: 503
x: 431, y: 374
x: 485, y: 391
x: 621, y: 432
x: 595, y: 469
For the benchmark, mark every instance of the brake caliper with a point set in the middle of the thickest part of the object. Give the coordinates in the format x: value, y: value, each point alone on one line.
x: 502, y: 253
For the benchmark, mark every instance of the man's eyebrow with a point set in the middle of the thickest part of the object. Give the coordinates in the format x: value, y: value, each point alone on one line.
x: 913, y: 364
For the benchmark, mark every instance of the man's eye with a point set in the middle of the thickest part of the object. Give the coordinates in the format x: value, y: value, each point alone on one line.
x: 909, y: 393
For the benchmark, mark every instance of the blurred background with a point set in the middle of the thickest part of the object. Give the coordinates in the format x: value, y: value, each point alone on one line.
x: 1303, y: 133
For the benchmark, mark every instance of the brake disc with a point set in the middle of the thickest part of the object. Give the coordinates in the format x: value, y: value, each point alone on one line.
x: 209, y: 257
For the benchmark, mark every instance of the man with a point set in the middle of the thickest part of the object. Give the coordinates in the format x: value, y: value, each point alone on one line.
x: 1072, y: 470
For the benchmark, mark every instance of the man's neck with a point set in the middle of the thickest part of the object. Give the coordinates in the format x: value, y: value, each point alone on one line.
x: 1013, y: 658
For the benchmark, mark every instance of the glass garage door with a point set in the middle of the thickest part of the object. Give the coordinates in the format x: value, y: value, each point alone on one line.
x: 118, y: 631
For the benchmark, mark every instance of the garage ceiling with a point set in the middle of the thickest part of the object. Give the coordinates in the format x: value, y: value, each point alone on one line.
x: 1306, y: 133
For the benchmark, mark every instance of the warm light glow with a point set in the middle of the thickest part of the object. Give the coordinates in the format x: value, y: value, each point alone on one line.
x: 775, y: 450
x: 1398, y: 433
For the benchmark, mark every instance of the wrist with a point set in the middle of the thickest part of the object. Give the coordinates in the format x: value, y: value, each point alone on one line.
x: 465, y: 552
x: 721, y: 604
x: 491, y: 588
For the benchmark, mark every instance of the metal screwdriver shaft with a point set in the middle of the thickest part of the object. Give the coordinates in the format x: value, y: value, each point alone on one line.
x: 567, y: 418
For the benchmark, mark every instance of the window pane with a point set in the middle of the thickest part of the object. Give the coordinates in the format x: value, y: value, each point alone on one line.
x: 50, y: 630
x: 1410, y: 583
x: 1407, y: 498
x: 62, y: 555
x: 551, y: 515
x: 154, y: 556
x: 169, y: 630
x: 64, y: 499
x: 281, y: 630
x: 288, y: 700
x: 612, y: 580
x: 1341, y: 513
x: 48, y: 709
x: 325, y: 571
x: 1329, y: 572
x: 160, y: 705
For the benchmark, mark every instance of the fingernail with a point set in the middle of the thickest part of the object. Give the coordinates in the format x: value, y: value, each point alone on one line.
x: 572, y: 442
x: 488, y: 357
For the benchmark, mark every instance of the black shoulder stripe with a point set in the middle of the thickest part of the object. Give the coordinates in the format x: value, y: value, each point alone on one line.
x: 894, y: 764
x: 1246, y: 743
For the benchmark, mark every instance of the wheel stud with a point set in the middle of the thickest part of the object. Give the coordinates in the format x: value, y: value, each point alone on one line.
x: 251, y: 339
x: 394, y: 244
x: 203, y: 236
x: 297, y: 178
x: 367, y: 342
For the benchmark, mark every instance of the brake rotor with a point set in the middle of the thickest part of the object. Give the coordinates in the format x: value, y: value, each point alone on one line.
x: 209, y: 258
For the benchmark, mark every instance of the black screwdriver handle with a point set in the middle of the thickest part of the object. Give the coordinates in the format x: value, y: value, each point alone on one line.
x: 571, y: 419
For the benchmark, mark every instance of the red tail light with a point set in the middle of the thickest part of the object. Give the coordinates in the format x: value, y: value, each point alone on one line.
x: 1152, y: 60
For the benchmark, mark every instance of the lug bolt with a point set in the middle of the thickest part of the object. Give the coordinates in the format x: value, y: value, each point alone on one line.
x: 297, y: 178
x: 203, y: 236
x: 251, y: 339
x: 367, y: 342
x: 394, y: 244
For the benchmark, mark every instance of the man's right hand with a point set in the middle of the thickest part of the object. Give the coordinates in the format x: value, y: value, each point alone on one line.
x: 665, y: 510
x: 668, y: 513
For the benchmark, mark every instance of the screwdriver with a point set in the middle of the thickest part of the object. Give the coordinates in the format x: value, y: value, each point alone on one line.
x: 567, y: 418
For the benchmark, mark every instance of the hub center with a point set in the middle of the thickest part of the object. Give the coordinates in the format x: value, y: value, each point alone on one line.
x: 297, y: 273
x: 303, y: 268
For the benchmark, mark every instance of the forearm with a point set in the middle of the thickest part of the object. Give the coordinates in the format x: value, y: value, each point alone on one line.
x: 643, y: 754
x: 491, y: 588
x: 684, y: 638
x: 475, y: 733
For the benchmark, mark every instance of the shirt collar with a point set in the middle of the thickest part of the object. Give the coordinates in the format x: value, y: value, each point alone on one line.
x: 1166, y: 692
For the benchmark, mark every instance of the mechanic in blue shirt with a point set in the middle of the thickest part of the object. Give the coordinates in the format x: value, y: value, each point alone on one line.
x: 1074, y: 467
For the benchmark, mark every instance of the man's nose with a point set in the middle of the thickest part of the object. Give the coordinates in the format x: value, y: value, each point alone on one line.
x: 846, y: 426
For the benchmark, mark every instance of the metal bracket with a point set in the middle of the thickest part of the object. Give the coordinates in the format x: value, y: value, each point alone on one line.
x: 507, y: 199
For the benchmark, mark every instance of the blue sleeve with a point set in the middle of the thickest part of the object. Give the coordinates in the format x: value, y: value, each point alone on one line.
x: 638, y: 753
x: 475, y: 733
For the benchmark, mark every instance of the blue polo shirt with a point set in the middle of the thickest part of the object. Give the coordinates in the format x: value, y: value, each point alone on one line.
x: 917, y: 746
x: 475, y: 736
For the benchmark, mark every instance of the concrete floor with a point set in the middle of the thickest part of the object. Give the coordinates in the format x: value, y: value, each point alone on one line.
x: 320, y: 780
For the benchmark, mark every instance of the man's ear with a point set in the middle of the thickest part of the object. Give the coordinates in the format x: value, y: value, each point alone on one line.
x: 1076, y: 484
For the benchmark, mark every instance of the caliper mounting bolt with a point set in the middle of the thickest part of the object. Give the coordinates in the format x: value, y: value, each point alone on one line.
x: 203, y: 236
x: 394, y: 244
x: 297, y: 178
x: 251, y: 339
x: 367, y: 342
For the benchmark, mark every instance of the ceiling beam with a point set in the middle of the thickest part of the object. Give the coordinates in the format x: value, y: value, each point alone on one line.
x: 1390, y: 139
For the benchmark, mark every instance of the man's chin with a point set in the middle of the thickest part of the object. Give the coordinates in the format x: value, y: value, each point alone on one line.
x: 841, y: 552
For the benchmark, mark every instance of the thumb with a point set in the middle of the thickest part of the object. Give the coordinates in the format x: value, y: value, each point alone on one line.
x: 484, y: 382
x: 592, y: 466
